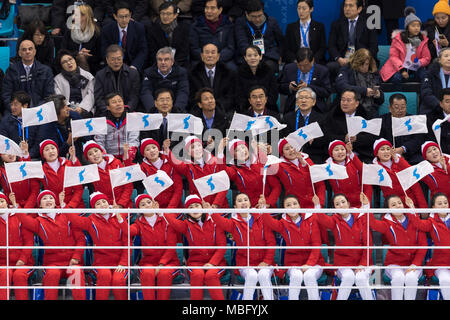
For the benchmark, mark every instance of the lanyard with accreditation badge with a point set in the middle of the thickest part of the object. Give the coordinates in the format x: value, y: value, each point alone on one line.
x: 304, y: 34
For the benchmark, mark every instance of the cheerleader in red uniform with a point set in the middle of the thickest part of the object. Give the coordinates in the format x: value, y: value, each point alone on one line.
x: 55, y: 230
x: 154, y: 230
x: 25, y: 191
x: 393, y: 163
x: 95, y: 154
x: 240, y: 226
x: 17, y: 236
x: 341, y: 154
x: 105, y: 230
x: 439, y: 180
x: 200, y: 230
x: 54, y: 168
x: 247, y: 173
x: 200, y: 163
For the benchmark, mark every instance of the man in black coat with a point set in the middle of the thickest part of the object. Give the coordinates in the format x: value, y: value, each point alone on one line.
x: 116, y: 77
x: 165, y: 74
x: 223, y: 80
x: 302, y: 74
x: 168, y: 31
x: 348, y: 34
x: 104, y: 11
x: 304, y: 114
x: 336, y: 126
x: 129, y: 34
x: 431, y: 87
x: 407, y: 146
x: 440, y: 114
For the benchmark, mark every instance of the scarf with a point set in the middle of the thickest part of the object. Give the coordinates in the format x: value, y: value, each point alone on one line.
x: 75, y: 79
x: 213, y: 25
x: 366, y: 80
x: 168, y: 29
x: 79, y: 36
x: 415, y: 41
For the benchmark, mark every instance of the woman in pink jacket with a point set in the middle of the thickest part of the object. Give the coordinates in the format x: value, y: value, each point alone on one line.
x: 409, y: 53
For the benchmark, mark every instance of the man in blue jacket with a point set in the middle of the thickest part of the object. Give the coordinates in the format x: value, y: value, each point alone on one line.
x: 128, y: 34
x: 27, y: 75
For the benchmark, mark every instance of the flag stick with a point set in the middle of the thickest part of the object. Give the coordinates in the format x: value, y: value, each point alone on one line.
x: 73, y: 144
x: 312, y: 184
x: 112, y: 189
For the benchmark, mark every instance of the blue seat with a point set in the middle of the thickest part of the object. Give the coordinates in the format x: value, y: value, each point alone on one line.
x: 7, y: 25
x: 411, y: 100
x: 44, y: 4
x: 4, y: 58
x: 383, y: 54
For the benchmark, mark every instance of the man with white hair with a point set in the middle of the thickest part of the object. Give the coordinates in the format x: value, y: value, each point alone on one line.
x: 165, y: 74
x: 303, y: 115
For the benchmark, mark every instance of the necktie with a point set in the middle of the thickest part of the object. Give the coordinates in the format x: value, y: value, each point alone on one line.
x: 306, y: 120
x: 27, y: 70
x: 124, y: 39
x: 211, y: 78
x: 164, y: 128
x: 351, y: 34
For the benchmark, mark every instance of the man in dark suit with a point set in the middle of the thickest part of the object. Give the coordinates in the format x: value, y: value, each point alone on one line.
x: 348, y: 34
x: 305, y: 73
x: 315, y: 37
x: 212, y: 73
x: 440, y: 114
x: 303, y: 115
x: 129, y: 34
x: 407, y: 146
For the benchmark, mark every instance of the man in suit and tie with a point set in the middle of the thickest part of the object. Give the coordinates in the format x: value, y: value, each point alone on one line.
x: 128, y: 34
x: 439, y: 114
x: 348, y: 34
x: 305, y: 73
x: 212, y: 73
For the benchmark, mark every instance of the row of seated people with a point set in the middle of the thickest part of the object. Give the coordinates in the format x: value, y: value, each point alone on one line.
x: 403, y: 266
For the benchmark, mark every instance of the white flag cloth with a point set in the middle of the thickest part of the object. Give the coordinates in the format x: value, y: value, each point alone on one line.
x: 89, y: 127
x: 358, y: 124
x: 307, y: 133
x: 409, y: 176
x: 409, y: 125
x: 270, y: 161
x: 437, y: 128
x: 213, y: 183
x: 320, y: 172
x: 374, y: 174
x: 268, y: 123
x: 137, y: 121
x: 157, y: 183
x: 74, y: 176
x: 8, y: 146
x: 241, y: 122
x: 42, y: 114
x: 22, y: 170
x: 184, y: 122
x: 124, y: 175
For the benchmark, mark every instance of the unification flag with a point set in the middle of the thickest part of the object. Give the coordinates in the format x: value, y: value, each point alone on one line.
x: 213, y: 183
x: 241, y: 122
x: 124, y: 175
x: 8, y: 146
x: 267, y: 123
x: 138, y: 121
x: 409, y: 176
x: 157, y: 183
x: 374, y: 174
x: 326, y: 171
x: 18, y: 171
x: 358, y: 124
x: 409, y: 125
x: 303, y: 135
x: 184, y: 122
x: 437, y: 129
x: 77, y: 175
x: 42, y: 114
x: 89, y: 127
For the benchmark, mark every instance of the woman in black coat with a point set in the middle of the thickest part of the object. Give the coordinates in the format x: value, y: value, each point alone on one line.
x: 255, y: 72
x: 438, y: 29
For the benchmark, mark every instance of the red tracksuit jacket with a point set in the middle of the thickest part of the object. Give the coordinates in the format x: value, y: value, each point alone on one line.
x: 210, y: 234
x: 54, y: 181
x: 161, y: 234
x: 260, y: 235
x: 122, y: 193
x: 344, y: 235
x: 58, y: 232
x: 194, y: 171
x: 104, y: 233
x: 439, y: 180
x: 171, y: 197
x: 17, y: 236
x: 440, y: 234
x: 415, y: 192
x: 305, y: 234
x: 351, y: 186
x: 249, y: 180
x: 396, y: 235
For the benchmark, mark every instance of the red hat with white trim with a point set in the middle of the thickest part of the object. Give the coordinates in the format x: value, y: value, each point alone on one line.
x: 89, y: 145
x: 233, y: 144
x: 46, y: 142
x: 139, y: 198
x: 281, y: 144
x: 146, y: 142
x: 190, y: 140
x: 2, y: 195
x: 193, y: 198
x: 42, y: 194
x: 95, y: 197
x: 334, y: 144
x: 426, y: 145
x: 378, y: 144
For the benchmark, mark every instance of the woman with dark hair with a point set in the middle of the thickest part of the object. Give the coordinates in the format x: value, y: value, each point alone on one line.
x: 45, y: 46
x: 438, y: 28
x: 75, y: 84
